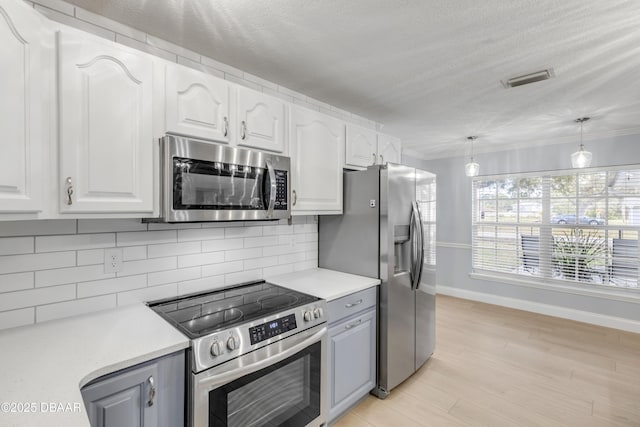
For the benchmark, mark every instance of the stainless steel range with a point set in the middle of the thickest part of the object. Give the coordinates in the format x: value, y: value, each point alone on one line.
x: 257, y: 355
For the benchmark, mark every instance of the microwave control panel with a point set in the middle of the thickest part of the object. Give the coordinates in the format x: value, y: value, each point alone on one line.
x: 281, y: 190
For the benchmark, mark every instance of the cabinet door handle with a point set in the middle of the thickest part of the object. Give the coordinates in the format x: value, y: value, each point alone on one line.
x: 244, y: 130
x: 226, y: 126
x: 353, y: 304
x: 69, y: 190
x: 295, y: 197
x: 354, y: 324
x: 152, y: 390
x: 381, y: 160
x: 374, y: 159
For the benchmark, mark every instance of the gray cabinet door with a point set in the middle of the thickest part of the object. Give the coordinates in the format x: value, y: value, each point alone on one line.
x: 123, y: 401
x: 352, y: 358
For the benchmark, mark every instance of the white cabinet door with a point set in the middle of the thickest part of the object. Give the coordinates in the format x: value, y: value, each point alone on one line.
x: 106, y: 161
x: 352, y: 361
x: 389, y: 149
x: 361, y: 146
x: 197, y: 104
x: 27, y: 65
x: 317, y: 155
x: 260, y: 121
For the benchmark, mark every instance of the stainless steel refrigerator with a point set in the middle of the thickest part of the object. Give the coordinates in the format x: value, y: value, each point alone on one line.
x: 387, y: 231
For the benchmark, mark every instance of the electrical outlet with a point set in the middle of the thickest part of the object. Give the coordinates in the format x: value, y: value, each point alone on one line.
x: 113, y: 260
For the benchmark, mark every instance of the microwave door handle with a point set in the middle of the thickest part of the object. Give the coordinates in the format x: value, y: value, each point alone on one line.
x: 274, y: 188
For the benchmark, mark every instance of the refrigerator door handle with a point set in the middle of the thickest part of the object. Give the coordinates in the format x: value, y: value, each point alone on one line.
x: 420, y: 260
x: 415, y: 228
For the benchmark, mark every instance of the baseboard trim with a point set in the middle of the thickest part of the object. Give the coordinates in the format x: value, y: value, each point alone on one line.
x: 540, y: 308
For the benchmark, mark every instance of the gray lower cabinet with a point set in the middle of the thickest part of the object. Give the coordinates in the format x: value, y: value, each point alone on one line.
x: 145, y: 395
x: 352, y: 350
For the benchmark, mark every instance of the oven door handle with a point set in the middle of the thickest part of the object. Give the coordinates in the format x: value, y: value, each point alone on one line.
x: 244, y: 365
x: 274, y: 188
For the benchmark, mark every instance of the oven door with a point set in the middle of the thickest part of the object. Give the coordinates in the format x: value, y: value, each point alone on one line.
x: 282, y: 384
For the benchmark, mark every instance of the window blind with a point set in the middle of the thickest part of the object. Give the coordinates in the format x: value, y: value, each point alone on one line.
x: 576, y: 226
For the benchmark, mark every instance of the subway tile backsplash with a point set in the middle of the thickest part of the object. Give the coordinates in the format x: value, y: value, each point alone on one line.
x: 55, y: 268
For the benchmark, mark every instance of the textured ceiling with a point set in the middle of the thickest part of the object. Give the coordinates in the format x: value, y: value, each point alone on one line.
x: 429, y: 71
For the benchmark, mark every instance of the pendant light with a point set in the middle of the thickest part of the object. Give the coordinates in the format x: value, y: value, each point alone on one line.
x: 581, y: 158
x: 472, y: 168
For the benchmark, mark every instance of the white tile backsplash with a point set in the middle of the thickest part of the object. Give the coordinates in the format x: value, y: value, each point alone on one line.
x: 200, y: 234
x: 65, y: 276
x: 16, y: 282
x: 60, y: 276
x: 19, y: 263
x: 35, y: 297
x: 75, y: 307
x: 13, y: 318
x: 16, y: 245
x: 200, y: 259
x: 90, y: 257
x: 111, y: 286
x: 146, y: 238
x: 147, y: 294
x: 40, y: 227
x: 222, y: 245
x: 75, y: 242
x: 174, y: 276
x: 169, y: 249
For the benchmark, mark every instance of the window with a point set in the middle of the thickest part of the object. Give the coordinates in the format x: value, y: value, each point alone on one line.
x: 566, y: 226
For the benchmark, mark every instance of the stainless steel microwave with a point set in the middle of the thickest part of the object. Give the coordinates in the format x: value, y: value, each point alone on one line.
x: 203, y: 181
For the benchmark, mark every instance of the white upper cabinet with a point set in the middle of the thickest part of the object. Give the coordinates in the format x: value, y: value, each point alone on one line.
x: 361, y: 146
x: 27, y: 64
x: 389, y: 149
x: 106, y: 156
x: 260, y: 121
x: 197, y: 104
x: 317, y: 156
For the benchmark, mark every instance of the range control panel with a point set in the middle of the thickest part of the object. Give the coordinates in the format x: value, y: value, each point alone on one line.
x: 271, y: 329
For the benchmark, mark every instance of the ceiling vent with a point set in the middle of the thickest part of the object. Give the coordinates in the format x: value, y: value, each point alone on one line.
x: 528, y: 78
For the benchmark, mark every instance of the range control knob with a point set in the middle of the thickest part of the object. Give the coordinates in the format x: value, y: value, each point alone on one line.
x: 317, y: 313
x: 215, y: 349
x: 231, y: 343
x: 308, y: 315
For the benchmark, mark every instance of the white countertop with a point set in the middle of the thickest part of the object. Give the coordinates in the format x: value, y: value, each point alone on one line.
x: 49, y: 362
x: 323, y: 283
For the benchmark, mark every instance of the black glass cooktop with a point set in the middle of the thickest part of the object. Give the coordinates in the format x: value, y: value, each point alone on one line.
x: 200, y: 314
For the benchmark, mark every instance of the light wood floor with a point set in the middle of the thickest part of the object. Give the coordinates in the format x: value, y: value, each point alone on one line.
x: 496, y: 366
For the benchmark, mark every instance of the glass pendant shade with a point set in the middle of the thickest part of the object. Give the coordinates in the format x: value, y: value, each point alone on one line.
x: 581, y: 158
x: 472, y: 168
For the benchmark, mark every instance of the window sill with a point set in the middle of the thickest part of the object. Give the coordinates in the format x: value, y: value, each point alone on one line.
x: 631, y: 295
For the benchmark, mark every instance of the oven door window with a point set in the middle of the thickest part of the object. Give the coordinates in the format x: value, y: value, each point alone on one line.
x: 217, y: 186
x: 284, y: 394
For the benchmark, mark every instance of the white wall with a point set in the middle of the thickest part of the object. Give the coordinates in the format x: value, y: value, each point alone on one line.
x: 55, y: 268
x: 454, y: 233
